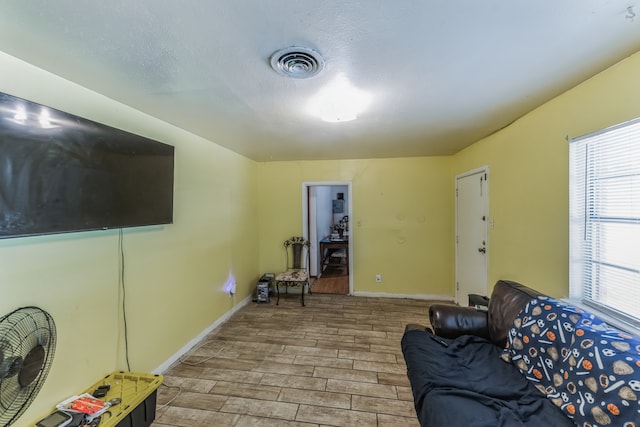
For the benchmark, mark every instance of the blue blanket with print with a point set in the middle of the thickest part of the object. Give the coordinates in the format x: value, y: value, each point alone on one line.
x: 588, y: 369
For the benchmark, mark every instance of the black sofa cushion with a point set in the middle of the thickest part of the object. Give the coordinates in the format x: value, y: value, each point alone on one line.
x: 451, y: 321
x: 507, y: 299
x: 468, y: 384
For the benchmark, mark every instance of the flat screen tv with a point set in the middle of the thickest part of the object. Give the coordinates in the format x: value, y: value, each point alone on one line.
x: 62, y: 173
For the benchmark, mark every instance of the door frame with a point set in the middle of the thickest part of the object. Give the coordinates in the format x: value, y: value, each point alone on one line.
x: 305, y: 216
x: 483, y: 169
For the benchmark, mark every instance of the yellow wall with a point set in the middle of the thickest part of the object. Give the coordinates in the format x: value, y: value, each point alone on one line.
x: 403, y: 213
x: 528, y: 187
x: 174, y: 274
x: 402, y: 222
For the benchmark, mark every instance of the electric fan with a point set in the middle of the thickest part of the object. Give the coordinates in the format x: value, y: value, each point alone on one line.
x: 27, y: 345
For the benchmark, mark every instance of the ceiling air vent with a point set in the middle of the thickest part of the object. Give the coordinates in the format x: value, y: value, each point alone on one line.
x: 297, y: 62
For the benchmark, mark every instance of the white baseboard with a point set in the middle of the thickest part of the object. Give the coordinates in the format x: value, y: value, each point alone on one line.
x: 184, y: 350
x: 409, y: 296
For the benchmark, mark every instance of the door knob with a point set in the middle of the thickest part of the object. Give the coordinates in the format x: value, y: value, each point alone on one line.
x: 482, y: 250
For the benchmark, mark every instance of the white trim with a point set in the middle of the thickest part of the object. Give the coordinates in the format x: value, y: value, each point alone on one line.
x: 305, y: 216
x: 471, y: 172
x: 406, y: 296
x: 184, y: 350
x: 601, y: 131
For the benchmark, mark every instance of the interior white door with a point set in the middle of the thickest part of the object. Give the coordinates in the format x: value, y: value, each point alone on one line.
x: 471, y: 234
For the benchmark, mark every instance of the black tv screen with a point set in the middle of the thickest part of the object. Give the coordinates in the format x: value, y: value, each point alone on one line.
x: 62, y: 173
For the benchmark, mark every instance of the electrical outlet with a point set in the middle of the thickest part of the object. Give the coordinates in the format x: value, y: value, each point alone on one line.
x: 379, y: 278
x: 232, y: 289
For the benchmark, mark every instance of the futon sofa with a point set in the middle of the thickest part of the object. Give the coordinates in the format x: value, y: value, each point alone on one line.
x: 530, y: 360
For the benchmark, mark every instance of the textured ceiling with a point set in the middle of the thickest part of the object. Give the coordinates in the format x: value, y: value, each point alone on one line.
x: 441, y: 75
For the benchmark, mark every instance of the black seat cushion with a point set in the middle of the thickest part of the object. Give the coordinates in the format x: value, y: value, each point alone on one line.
x: 467, y: 384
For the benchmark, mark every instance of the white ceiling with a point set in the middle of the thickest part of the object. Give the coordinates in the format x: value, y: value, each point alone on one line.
x: 442, y: 74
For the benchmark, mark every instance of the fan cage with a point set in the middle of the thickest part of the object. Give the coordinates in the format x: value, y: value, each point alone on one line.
x: 27, y: 347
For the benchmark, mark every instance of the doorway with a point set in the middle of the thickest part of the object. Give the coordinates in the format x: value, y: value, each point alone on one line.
x: 327, y: 213
x: 472, y: 250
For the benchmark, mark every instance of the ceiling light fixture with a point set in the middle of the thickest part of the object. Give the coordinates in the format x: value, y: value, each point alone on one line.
x: 297, y: 62
x: 339, y: 101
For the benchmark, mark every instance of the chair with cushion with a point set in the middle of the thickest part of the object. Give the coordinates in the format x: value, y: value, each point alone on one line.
x: 297, y: 272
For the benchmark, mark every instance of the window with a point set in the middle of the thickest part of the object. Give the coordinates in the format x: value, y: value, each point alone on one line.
x: 604, y: 210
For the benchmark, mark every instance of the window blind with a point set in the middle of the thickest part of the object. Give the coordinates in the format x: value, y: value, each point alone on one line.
x: 604, y: 210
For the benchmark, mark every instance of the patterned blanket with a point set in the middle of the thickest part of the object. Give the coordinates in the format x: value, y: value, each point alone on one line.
x: 588, y: 369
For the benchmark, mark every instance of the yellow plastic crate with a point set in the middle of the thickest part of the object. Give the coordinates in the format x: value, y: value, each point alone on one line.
x: 138, y: 394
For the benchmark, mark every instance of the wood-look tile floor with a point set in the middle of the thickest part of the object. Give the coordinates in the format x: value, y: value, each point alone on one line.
x: 335, y: 362
x: 331, y: 285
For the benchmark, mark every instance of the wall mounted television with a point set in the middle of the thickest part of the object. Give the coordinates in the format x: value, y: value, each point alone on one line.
x: 62, y: 173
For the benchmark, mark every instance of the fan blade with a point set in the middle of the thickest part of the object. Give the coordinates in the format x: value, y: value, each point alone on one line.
x: 31, y: 366
x: 10, y: 366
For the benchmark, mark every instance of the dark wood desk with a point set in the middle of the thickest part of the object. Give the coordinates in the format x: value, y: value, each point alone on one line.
x: 328, y: 247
